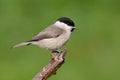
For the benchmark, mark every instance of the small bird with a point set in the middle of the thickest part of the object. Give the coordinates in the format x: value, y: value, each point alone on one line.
x: 54, y: 36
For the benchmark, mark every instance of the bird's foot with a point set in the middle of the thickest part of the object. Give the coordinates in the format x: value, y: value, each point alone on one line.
x: 57, y: 51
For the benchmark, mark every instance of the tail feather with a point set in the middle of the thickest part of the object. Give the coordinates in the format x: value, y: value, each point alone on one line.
x: 22, y: 44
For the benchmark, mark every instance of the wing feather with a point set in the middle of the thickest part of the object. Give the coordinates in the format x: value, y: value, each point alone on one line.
x: 48, y: 33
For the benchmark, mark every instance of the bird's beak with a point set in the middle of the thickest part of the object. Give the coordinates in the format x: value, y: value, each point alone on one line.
x: 74, y: 27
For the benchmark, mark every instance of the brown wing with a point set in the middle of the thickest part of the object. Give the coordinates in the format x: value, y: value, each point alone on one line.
x: 48, y: 33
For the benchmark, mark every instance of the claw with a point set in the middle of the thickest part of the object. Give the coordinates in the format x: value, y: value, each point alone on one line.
x: 57, y: 51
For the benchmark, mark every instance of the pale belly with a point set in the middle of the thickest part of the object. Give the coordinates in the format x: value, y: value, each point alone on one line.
x: 53, y: 43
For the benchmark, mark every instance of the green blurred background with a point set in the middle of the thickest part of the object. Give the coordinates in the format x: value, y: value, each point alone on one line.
x: 93, y: 50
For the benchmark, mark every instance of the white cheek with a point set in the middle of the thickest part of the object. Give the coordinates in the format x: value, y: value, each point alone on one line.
x: 63, y: 26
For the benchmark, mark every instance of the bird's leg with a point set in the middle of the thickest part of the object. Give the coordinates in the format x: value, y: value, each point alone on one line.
x: 56, y: 51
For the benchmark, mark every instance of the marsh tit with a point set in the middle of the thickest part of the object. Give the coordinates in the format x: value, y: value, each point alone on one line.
x: 54, y: 36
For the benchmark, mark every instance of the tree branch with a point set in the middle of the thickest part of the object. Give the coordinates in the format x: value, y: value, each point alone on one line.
x: 57, y: 59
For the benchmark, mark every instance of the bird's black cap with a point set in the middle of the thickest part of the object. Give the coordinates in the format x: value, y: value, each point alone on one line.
x: 67, y: 21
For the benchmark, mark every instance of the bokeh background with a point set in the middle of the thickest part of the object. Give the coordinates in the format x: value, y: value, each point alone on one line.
x: 93, y: 50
